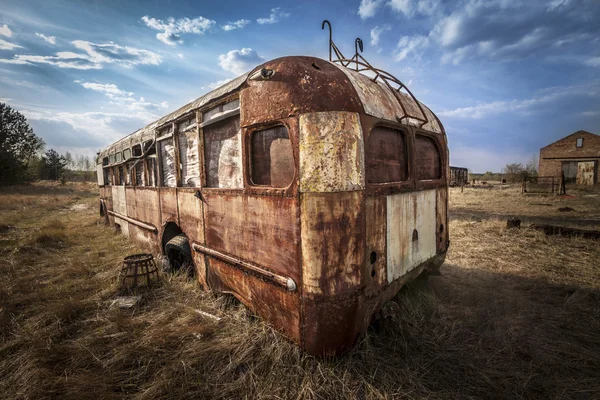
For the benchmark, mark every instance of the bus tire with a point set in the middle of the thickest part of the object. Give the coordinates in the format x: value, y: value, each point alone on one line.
x: 179, y: 254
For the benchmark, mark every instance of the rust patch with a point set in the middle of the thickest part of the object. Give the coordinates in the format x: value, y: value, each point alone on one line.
x: 331, y: 152
x: 333, y: 240
x: 261, y: 229
x: 280, y: 307
x: 191, y: 219
x: 375, y: 258
x: 297, y: 88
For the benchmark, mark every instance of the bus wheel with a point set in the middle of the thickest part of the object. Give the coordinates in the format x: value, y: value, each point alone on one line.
x: 179, y: 254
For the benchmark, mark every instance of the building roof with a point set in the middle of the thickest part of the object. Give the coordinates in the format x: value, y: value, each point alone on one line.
x: 578, y: 133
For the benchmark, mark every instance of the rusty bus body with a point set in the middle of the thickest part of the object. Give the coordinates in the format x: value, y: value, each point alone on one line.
x: 459, y: 176
x: 300, y: 193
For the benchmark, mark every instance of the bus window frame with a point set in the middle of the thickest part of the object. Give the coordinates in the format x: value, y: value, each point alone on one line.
x: 442, y: 181
x: 291, y: 124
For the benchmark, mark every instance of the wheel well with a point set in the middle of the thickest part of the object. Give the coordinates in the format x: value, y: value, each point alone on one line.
x: 171, y: 230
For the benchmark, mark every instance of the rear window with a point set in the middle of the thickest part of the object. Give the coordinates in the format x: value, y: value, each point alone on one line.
x: 386, y: 156
x: 272, y: 158
x: 428, y: 164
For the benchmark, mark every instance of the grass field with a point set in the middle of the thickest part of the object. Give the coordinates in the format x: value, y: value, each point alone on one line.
x: 515, y: 314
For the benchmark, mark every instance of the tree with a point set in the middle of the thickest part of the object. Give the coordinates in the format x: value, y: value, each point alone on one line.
x: 532, y: 166
x: 514, y: 172
x: 18, y: 144
x: 54, y: 165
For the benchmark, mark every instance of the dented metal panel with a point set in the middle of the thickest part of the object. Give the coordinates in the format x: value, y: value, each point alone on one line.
x: 331, y: 152
x: 119, y: 206
x: 375, y: 260
x: 379, y: 101
x: 261, y: 229
x: 332, y: 242
x: 411, y: 231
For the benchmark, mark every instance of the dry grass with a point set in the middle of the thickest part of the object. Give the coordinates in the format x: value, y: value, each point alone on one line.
x: 515, y: 315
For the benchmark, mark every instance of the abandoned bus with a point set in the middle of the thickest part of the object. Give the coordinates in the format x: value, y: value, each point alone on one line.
x: 308, y: 190
x: 459, y: 176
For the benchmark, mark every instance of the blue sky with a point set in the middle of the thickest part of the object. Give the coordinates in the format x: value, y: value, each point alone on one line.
x: 506, y: 77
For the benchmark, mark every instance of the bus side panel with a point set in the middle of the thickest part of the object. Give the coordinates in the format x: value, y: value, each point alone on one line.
x: 142, y: 205
x: 442, y: 220
x: 261, y: 229
x: 191, y: 222
x: 168, y: 205
x: 273, y: 303
x: 375, y: 253
x: 120, y: 207
x: 333, y: 240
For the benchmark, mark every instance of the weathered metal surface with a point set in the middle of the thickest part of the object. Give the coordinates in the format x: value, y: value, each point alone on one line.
x: 411, y: 231
x: 223, y: 154
x: 279, y: 280
x: 442, y: 237
x: 168, y: 205
x: 333, y: 242
x: 134, y: 221
x: 379, y: 101
x: 375, y: 260
x: 276, y: 304
x: 263, y: 230
x: 586, y: 172
x: 120, y: 206
x: 300, y: 85
x: 191, y: 219
x: 331, y: 152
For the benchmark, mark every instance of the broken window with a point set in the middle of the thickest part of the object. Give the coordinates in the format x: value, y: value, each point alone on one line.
x: 111, y: 159
x: 118, y: 157
x: 167, y: 155
x: 188, y: 152
x: 223, y: 146
x: 126, y: 154
x: 428, y: 163
x: 120, y: 175
x: 137, y: 150
x: 579, y: 142
x: 139, y: 173
x: 272, y: 158
x: 386, y: 156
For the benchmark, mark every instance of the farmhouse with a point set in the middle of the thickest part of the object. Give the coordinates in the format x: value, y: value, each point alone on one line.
x: 576, y: 155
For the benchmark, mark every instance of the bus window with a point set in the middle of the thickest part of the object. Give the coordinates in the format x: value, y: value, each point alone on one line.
x: 105, y: 171
x: 386, y: 156
x: 139, y: 173
x: 428, y: 163
x: 137, y: 150
x: 223, y: 152
x: 118, y: 157
x: 188, y: 153
x: 272, y: 158
x: 126, y: 154
x: 111, y: 159
x: 167, y: 155
x: 120, y: 175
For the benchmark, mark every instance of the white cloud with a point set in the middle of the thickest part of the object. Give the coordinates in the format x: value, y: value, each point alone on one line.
x: 543, y: 97
x: 275, y: 16
x: 49, y: 39
x: 214, y: 85
x: 408, y: 45
x: 94, y: 56
x: 5, y: 31
x: 239, y: 24
x: 591, y: 113
x: 172, y: 29
x: 240, y: 61
x: 412, y: 7
x: 593, y: 61
x: 4, y: 45
x: 376, y: 33
x: 368, y: 8
x: 479, y: 28
x: 124, y: 98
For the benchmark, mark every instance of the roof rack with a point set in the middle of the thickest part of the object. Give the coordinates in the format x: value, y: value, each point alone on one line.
x: 359, y: 64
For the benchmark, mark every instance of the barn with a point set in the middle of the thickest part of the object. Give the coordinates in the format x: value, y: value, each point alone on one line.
x: 576, y: 155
